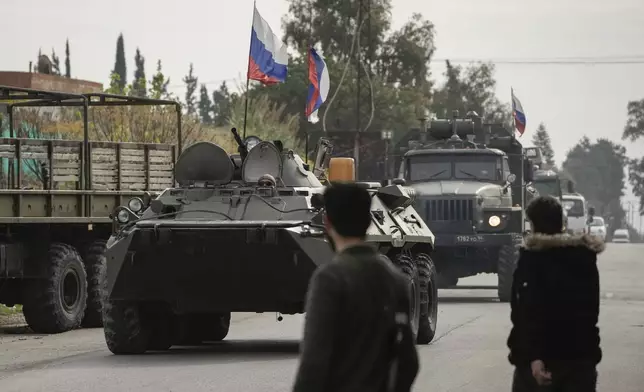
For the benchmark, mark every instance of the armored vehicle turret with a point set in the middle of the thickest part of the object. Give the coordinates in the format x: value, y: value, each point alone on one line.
x: 470, y: 182
x: 243, y: 233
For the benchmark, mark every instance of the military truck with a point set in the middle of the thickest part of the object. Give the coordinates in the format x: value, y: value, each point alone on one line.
x: 54, y: 227
x: 244, y: 233
x: 470, y: 180
x: 547, y: 182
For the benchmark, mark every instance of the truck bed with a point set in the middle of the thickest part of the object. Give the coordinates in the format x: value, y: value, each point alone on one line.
x: 118, y: 171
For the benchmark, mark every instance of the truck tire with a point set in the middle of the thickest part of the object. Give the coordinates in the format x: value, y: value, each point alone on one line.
x: 95, y: 266
x: 124, y: 328
x: 409, y: 269
x: 428, y: 299
x: 507, y: 263
x: 56, y: 303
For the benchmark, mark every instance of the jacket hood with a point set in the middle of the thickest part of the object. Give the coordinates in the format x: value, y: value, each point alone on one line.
x: 539, y: 242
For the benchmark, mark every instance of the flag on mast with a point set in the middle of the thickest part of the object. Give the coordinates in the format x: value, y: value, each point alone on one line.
x: 518, y: 114
x: 268, y: 59
x: 318, y: 85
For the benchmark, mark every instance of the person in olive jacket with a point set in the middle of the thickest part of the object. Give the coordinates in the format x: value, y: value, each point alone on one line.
x: 554, y: 342
x: 357, y: 336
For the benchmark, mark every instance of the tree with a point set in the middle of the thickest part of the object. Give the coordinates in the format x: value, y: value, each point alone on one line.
x: 55, y: 61
x: 222, y: 101
x: 159, y: 84
x: 139, y: 87
x: 633, y: 131
x: 120, y: 67
x: 601, y: 165
x: 541, y: 139
x: 205, y: 105
x: 68, y: 67
x: 191, y: 88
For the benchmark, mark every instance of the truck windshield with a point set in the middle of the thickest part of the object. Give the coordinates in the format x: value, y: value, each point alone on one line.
x: 548, y: 187
x: 444, y: 167
x: 575, y: 208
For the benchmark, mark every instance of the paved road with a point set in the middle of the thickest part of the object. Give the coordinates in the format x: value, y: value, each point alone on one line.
x: 469, y: 353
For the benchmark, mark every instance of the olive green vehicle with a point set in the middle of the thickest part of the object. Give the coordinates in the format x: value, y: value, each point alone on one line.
x: 55, y: 206
x: 470, y: 180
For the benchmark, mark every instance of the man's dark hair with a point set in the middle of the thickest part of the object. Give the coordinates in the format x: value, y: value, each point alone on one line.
x: 546, y: 215
x: 348, y: 208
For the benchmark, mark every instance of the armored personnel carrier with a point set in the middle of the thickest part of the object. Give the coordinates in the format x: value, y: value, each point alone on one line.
x: 470, y: 182
x: 244, y: 233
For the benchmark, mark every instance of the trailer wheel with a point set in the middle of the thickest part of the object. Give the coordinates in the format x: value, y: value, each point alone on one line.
x: 408, y: 267
x: 429, y: 299
x: 95, y: 266
x: 124, y: 328
x: 56, y: 303
x: 507, y: 263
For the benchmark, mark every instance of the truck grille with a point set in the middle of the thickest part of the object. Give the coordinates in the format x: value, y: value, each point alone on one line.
x: 449, y: 210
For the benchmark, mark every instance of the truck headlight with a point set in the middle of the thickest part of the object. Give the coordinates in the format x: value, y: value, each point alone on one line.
x: 494, y: 221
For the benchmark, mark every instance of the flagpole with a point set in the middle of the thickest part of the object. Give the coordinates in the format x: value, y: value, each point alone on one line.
x: 250, y: 46
x: 308, y: 54
x: 514, y: 120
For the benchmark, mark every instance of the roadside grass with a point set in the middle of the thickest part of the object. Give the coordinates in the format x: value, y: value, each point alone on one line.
x: 5, y: 310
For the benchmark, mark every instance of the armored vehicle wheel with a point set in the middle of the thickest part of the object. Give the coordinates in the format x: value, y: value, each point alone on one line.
x: 95, y: 266
x: 408, y: 267
x: 507, y: 263
x: 125, y: 331
x: 446, y: 281
x: 57, y: 302
x: 161, y: 335
x: 219, y: 328
x: 428, y: 299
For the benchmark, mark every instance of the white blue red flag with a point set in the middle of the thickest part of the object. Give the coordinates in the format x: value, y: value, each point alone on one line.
x: 518, y: 114
x: 268, y: 61
x: 318, y: 85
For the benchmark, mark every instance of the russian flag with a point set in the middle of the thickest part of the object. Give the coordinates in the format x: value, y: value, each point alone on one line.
x: 318, y: 85
x: 268, y: 60
x: 518, y: 113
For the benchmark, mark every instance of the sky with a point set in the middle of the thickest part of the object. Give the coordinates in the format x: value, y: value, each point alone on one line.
x: 572, y: 100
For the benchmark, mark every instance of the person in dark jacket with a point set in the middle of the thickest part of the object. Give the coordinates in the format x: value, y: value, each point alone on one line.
x: 554, y: 343
x: 351, y: 306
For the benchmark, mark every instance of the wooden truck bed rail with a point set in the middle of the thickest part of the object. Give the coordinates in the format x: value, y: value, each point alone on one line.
x: 118, y: 171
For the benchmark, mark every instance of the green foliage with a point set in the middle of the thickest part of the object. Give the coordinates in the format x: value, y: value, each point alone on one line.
x: 541, y: 139
x: 139, y: 87
x: 266, y: 120
x: 223, y: 101
x: 159, y: 84
x: 120, y: 67
x: 633, y: 131
x: 601, y: 166
x: 68, y: 66
x: 55, y: 63
x: 205, y: 105
x: 191, y: 88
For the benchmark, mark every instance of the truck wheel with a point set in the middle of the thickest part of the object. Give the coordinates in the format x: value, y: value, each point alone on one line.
x: 507, y: 263
x: 428, y: 299
x: 124, y: 328
x: 57, y: 302
x: 408, y: 267
x: 95, y: 266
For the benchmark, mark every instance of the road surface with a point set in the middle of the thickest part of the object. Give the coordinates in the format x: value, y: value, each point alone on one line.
x: 260, y: 354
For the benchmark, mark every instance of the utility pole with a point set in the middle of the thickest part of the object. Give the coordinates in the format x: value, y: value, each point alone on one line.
x: 363, y: 60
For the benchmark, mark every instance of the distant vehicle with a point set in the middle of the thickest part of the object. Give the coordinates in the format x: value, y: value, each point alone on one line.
x: 621, y: 236
x: 598, y: 228
x: 575, y: 205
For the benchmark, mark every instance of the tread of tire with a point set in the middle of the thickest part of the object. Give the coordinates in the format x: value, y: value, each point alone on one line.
x: 426, y: 269
x: 124, y: 330
x: 41, y: 309
x: 508, y: 257
x: 95, y: 266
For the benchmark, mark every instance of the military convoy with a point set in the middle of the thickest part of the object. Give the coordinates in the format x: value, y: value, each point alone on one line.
x: 55, y: 208
x: 244, y: 233
x: 470, y: 179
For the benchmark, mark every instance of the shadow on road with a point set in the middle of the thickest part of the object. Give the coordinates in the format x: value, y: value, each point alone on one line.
x: 221, y: 352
